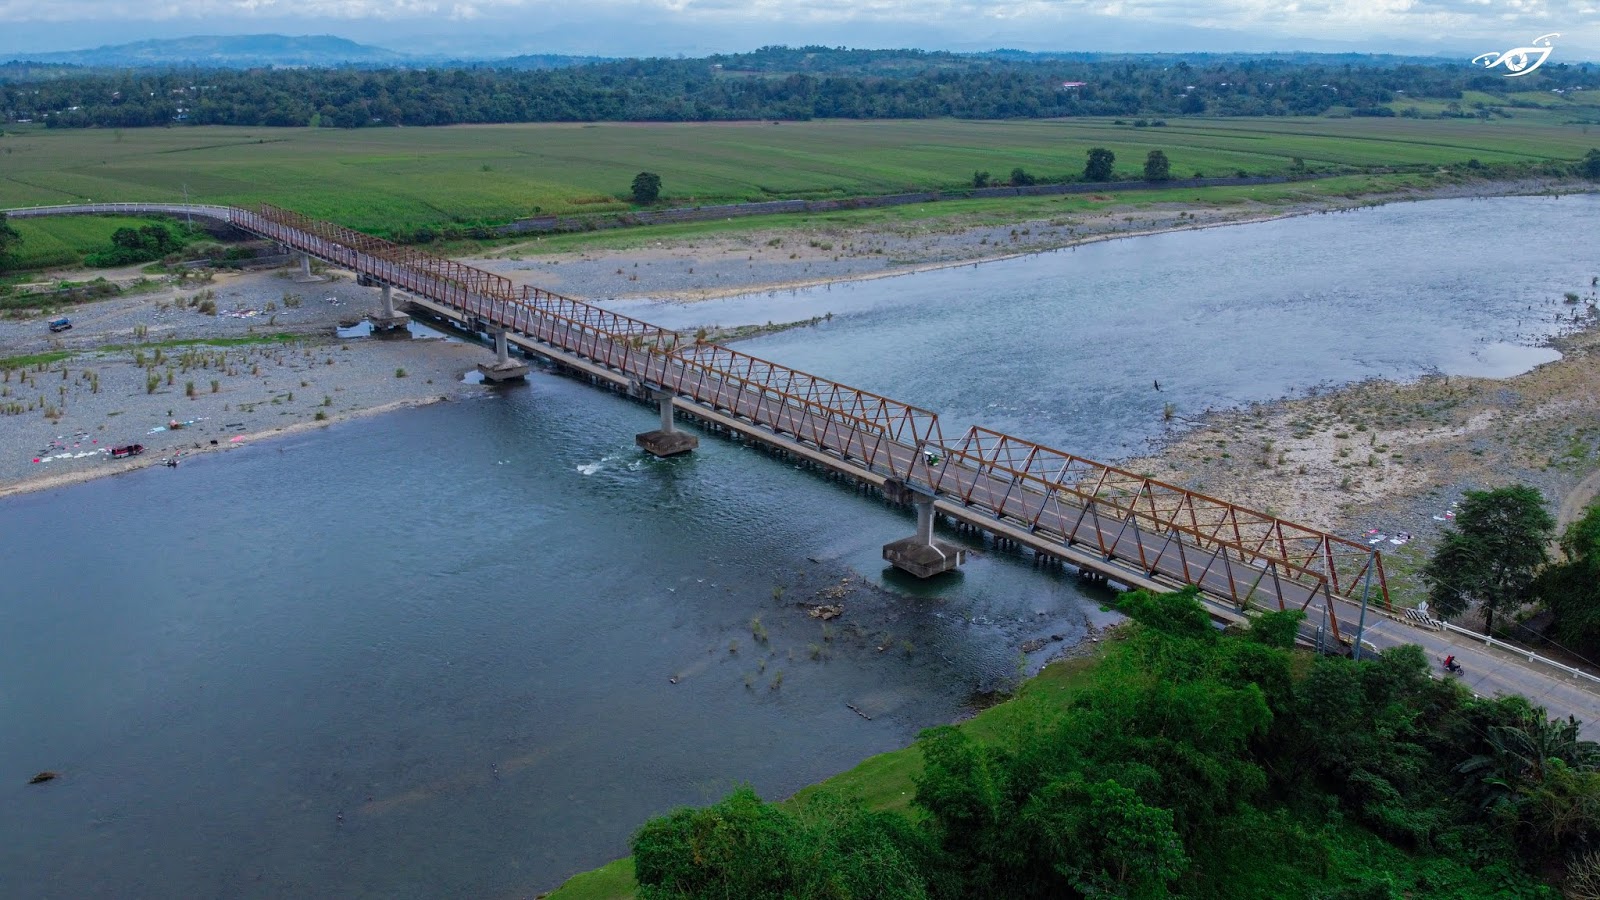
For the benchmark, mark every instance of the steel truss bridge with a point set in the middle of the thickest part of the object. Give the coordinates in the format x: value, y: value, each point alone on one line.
x: 1094, y: 516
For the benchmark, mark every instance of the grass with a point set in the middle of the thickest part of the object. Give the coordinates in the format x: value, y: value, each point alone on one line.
x: 884, y: 781
x: 279, y: 338
x: 395, y: 180
x: 23, y: 362
x: 63, y: 240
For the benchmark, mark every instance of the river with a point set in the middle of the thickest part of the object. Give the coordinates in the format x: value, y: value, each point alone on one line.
x: 467, y: 649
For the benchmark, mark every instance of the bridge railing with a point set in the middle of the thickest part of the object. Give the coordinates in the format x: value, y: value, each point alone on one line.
x: 901, y: 422
x: 204, y: 210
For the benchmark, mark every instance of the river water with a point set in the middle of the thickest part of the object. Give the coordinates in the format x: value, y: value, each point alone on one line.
x: 467, y: 649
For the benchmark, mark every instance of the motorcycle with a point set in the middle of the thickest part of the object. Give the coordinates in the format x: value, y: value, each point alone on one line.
x: 1453, y: 667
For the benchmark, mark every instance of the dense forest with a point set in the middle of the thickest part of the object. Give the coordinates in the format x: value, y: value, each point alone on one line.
x: 775, y: 83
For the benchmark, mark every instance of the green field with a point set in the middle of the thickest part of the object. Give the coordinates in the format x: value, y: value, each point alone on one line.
x: 63, y: 240
x: 397, y: 179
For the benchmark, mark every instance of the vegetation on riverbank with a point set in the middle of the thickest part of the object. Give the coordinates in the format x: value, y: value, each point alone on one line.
x: 1183, y: 762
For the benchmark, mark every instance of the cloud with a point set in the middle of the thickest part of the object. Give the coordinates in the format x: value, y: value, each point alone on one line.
x: 629, y: 25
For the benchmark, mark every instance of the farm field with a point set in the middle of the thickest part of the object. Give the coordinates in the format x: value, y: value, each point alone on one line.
x: 391, y: 180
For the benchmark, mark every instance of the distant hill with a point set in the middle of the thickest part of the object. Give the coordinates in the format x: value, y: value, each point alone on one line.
x: 536, y: 61
x: 229, y: 52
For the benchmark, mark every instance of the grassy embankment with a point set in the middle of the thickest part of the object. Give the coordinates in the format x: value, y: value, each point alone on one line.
x: 397, y: 180
x: 883, y: 781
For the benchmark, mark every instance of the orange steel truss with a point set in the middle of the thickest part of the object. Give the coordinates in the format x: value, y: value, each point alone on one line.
x: 897, y: 421
x: 1163, y: 529
x: 1254, y: 538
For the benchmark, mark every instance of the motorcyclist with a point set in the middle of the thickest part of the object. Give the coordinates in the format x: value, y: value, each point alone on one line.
x: 1450, y: 664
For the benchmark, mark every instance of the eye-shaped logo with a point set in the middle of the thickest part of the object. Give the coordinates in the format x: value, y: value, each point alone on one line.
x: 1516, y: 59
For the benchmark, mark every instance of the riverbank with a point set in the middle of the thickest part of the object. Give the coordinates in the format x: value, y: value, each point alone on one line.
x: 266, y: 363
x: 1386, y: 462
x: 777, y: 256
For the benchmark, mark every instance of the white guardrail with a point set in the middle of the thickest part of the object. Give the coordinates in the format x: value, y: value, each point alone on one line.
x: 1523, y: 652
x: 1422, y: 619
x: 207, y: 210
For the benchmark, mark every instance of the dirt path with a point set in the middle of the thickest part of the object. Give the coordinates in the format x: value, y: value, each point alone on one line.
x: 1578, y: 500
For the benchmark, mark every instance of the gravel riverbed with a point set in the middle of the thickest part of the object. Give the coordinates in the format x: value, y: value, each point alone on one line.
x: 131, y: 366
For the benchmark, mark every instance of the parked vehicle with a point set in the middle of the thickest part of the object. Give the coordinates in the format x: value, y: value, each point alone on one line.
x: 126, y: 451
x: 62, y: 324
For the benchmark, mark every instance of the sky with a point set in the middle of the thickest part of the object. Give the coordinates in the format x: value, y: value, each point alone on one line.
x: 698, y: 27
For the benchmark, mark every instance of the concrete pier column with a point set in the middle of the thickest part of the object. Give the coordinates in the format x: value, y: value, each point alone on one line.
x: 305, y: 275
x: 667, y: 441
x: 920, y: 554
x: 504, y: 367
x: 386, y: 319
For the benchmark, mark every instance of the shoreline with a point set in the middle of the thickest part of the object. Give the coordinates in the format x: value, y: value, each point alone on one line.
x: 145, y: 461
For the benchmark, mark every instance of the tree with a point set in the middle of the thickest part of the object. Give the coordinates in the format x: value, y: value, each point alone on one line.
x: 1571, y: 588
x: 1156, y: 167
x: 1021, y: 178
x: 1492, y: 555
x: 646, y: 187
x: 740, y: 847
x: 8, y: 237
x: 1590, y: 167
x: 980, y: 179
x: 1099, y: 167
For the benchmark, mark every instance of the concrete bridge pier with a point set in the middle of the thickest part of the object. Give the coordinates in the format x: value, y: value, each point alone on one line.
x: 920, y: 554
x: 667, y: 441
x: 305, y: 270
x: 386, y: 319
x: 504, y: 368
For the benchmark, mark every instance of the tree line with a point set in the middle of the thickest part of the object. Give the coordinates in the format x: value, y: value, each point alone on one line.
x: 852, y: 84
x: 1188, y: 762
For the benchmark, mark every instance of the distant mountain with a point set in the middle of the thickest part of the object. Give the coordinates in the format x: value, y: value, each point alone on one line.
x: 230, y: 51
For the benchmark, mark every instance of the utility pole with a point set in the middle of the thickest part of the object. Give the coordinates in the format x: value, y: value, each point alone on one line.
x: 1361, y: 626
x: 187, y: 213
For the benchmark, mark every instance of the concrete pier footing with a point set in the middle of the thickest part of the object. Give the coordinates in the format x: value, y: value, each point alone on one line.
x: 667, y: 440
x: 504, y: 368
x: 920, y: 554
